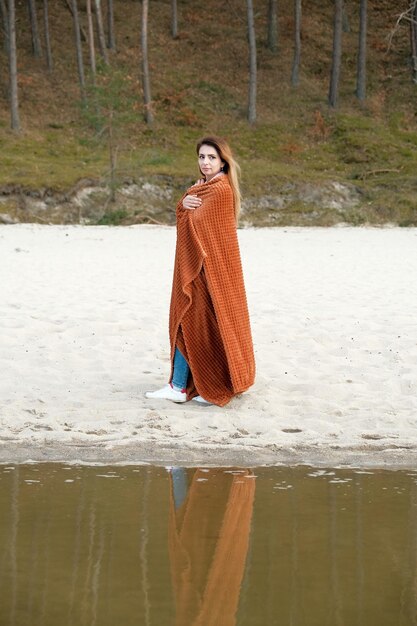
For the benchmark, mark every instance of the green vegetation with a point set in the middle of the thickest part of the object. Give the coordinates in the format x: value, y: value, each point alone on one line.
x: 112, y: 218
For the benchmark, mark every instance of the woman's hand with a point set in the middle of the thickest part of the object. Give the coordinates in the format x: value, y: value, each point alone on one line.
x: 191, y: 202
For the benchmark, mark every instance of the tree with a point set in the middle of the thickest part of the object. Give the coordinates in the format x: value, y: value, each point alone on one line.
x: 361, y: 71
x: 273, y: 25
x: 77, y: 33
x: 110, y: 109
x: 36, y: 42
x: 337, y: 53
x: 252, y: 64
x: 49, y: 62
x: 146, y: 84
x: 100, y: 32
x: 409, y: 15
x: 297, y: 43
x: 345, y: 19
x: 69, y: 6
x: 413, y: 39
x: 174, y: 22
x: 5, y: 25
x: 90, y: 31
x: 13, y: 93
x: 111, y: 42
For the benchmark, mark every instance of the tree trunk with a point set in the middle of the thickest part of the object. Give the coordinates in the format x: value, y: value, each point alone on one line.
x: 90, y: 31
x: 5, y: 25
x: 100, y: 32
x: 77, y: 33
x: 112, y: 158
x: 297, y: 44
x: 36, y: 42
x: 13, y: 93
x: 49, y: 62
x: 346, y: 20
x: 337, y: 53
x: 273, y: 25
x: 111, y: 42
x: 252, y: 64
x: 145, y: 65
x: 413, y: 39
x: 174, y: 23
x: 361, y: 72
x: 71, y: 10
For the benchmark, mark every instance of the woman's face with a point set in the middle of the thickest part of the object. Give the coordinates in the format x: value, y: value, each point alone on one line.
x: 209, y: 161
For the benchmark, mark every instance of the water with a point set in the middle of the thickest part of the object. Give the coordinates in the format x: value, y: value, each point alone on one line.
x: 112, y: 546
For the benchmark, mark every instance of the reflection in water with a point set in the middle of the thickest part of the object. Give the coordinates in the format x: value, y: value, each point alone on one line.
x: 14, y: 509
x: 144, y: 565
x: 210, y: 517
x: 84, y: 546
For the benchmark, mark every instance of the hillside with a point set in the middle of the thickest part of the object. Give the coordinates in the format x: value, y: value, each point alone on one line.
x: 298, y: 148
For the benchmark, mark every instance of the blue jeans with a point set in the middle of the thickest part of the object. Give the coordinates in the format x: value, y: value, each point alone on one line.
x: 179, y: 485
x: 181, y: 371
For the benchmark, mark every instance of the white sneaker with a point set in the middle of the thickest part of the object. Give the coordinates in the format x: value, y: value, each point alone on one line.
x: 201, y: 400
x: 167, y: 393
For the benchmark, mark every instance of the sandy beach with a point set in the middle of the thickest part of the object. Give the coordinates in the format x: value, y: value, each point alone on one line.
x: 84, y: 333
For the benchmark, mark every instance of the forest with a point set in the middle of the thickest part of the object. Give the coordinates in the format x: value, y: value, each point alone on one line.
x: 318, y: 100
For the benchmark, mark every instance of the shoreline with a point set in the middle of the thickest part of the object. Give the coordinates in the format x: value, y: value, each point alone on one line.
x: 372, y: 457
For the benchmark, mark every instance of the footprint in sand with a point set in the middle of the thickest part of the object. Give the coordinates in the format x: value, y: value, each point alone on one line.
x: 291, y: 430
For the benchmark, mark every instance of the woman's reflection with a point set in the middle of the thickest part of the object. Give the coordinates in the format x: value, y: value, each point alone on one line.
x: 209, y: 526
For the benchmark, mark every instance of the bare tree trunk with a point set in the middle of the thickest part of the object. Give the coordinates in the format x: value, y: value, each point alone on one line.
x: 413, y: 39
x: 111, y: 42
x: 273, y: 25
x: 112, y: 159
x: 252, y: 64
x: 80, y: 63
x: 36, y: 42
x: 49, y: 62
x: 100, y: 32
x: 146, y: 85
x: 71, y: 10
x: 297, y: 44
x: 337, y: 53
x: 174, y: 22
x: 5, y: 25
x: 345, y: 19
x: 13, y: 93
x: 361, y: 72
x: 90, y: 31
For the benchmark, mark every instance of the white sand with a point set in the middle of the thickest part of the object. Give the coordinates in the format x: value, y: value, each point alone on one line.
x: 83, y: 333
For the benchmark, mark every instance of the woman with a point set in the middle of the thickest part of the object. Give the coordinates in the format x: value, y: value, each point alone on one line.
x: 211, y: 343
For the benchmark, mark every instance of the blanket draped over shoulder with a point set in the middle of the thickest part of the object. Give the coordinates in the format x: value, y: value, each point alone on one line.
x: 209, y: 320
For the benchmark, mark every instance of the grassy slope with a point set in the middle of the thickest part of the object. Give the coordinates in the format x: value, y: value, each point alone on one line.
x: 199, y: 85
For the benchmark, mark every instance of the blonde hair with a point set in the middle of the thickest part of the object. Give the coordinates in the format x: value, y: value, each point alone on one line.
x: 231, y: 167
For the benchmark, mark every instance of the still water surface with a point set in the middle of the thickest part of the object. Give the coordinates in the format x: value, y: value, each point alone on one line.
x: 141, y: 546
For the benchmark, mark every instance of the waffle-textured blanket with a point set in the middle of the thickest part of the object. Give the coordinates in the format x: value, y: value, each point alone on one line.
x: 209, y: 320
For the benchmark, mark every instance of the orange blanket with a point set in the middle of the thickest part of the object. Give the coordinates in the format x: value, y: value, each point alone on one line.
x: 208, y: 545
x: 209, y: 320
